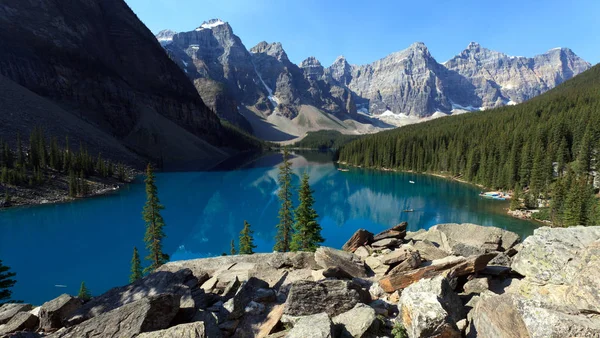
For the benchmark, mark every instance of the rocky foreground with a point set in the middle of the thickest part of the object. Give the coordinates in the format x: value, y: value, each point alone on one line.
x: 450, y: 281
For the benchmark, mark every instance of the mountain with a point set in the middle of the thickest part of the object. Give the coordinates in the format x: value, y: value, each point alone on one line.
x: 262, y: 91
x: 96, y: 62
x: 546, y: 145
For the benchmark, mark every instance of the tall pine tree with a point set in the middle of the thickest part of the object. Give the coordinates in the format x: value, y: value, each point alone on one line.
x: 136, y: 267
x: 307, y: 235
x: 286, y: 211
x: 154, y: 224
x: 246, y: 240
x: 232, y: 251
x: 6, y: 282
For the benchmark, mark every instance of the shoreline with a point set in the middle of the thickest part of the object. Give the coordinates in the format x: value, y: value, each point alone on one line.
x: 519, y: 214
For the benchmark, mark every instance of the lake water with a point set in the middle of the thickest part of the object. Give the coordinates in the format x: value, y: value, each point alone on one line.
x: 52, y: 248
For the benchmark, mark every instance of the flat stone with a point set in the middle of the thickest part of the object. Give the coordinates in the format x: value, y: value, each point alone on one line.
x: 428, y: 250
x: 267, y: 326
x: 386, y: 243
x: 361, y: 237
x: 376, y: 265
x: 336, y: 272
x: 328, y: 257
x: 397, y: 256
x: 189, y: 330
x: 9, y: 310
x: 476, y: 285
x: 314, y: 326
x: 362, y: 252
x: 412, y: 261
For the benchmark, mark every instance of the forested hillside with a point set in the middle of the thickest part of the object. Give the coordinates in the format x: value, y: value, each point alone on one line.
x: 546, y: 146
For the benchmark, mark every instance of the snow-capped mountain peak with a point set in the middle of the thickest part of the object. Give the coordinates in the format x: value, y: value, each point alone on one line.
x: 212, y: 23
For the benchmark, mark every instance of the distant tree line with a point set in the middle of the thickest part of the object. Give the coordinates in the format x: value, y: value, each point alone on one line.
x: 324, y: 140
x: 32, y: 164
x: 545, y: 150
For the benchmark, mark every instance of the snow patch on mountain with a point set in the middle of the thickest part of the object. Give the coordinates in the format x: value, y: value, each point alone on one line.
x: 210, y: 24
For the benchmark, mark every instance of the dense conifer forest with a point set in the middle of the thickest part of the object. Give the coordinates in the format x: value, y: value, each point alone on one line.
x: 545, y: 149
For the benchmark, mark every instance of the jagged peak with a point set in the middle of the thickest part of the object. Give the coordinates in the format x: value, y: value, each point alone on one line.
x: 473, y: 45
x: 310, y: 61
x: 210, y: 24
x: 274, y: 49
x: 165, y: 35
x: 418, y: 45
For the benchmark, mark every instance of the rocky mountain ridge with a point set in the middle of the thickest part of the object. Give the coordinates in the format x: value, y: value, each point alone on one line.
x: 404, y: 87
x: 453, y: 280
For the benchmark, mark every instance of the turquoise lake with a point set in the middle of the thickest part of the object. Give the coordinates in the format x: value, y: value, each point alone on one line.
x: 52, y: 248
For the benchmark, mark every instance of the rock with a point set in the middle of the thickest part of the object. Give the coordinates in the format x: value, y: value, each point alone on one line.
x: 428, y: 251
x: 386, y: 243
x: 384, y: 308
x: 376, y: 265
x: 476, y: 285
x: 182, y: 283
x: 584, y: 292
x: 456, y: 266
x: 362, y: 252
x: 350, y: 263
x: 210, y: 321
x: 501, y: 259
x: 229, y: 326
x: 317, y: 275
x: 398, y: 231
x: 253, y: 308
x: 231, y: 288
x: 264, y: 295
x: 396, y: 256
x: 425, y: 312
x: 20, y: 322
x: 412, y: 261
x: 145, y: 315
x: 336, y: 272
x: 314, y: 326
x: 189, y: 330
x: 9, y: 310
x: 236, y: 306
x: 462, y: 325
x: 54, y: 314
x: 356, y: 322
x: 361, y: 237
x: 553, y: 255
x: 267, y: 326
x: 330, y: 296
x: 376, y: 291
x: 471, y: 239
x: 510, y: 315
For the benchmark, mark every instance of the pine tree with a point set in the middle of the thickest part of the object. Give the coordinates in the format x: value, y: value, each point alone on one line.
x: 136, y: 267
x: 6, y: 282
x: 84, y: 294
x: 154, y: 224
x: 286, y: 222
x: 515, y: 200
x: 72, y: 184
x: 233, y: 252
x: 246, y: 240
x: 307, y: 235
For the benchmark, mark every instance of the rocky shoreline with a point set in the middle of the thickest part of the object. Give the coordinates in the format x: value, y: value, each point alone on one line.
x: 454, y: 280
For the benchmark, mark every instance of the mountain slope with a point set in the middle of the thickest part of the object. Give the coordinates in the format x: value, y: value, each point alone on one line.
x: 99, y: 62
x: 501, y: 147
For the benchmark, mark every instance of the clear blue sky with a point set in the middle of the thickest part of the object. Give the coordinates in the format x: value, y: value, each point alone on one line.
x: 366, y: 30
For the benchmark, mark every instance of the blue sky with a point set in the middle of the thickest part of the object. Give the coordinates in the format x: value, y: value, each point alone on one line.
x: 366, y: 30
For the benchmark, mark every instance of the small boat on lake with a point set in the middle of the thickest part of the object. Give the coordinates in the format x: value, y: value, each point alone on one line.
x: 408, y: 210
x: 411, y: 182
x: 343, y: 169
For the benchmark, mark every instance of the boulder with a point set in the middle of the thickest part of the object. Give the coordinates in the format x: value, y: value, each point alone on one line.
x: 328, y: 257
x: 428, y: 251
x: 511, y: 315
x: 264, y: 295
x: 387, y: 243
x: 145, y: 315
x: 189, y: 330
x: 336, y: 272
x: 267, y: 326
x: 554, y: 255
x: 476, y: 285
x: 182, y: 283
x: 362, y: 252
x: 412, y: 261
x: 455, y: 266
x: 396, y: 256
x: 361, y: 237
x: 584, y: 292
x: 20, y: 322
x: 330, y: 296
x: 375, y: 264
x: 356, y: 322
x: 314, y: 326
x: 398, y: 231
x: 429, y: 308
x: 9, y: 310
x: 236, y: 306
x: 501, y: 259
x: 54, y: 314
